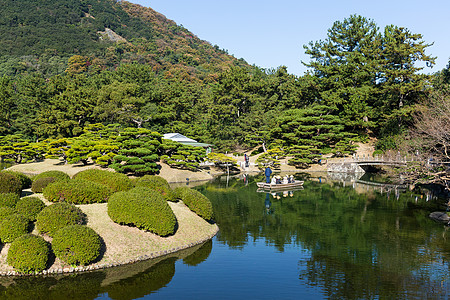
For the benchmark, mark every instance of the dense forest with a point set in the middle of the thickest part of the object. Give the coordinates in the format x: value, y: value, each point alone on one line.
x: 69, y: 66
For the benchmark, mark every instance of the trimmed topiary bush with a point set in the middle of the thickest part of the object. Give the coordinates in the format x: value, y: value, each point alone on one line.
x: 28, y: 253
x: 59, y: 215
x: 24, y: 179
x: 143, y: 208
x: 40, y: 184
x: 9, y: 199
x: 9, y: 183
x: 158, y: 184
x: 115, y: 181
x: 13, y: 226
x: 77, y: 191
x: 30, y: 207
x: 180, y: 191
x: 76, y: 245
x: 196, y: 201
x: 6, y: 211
x: 58, y: 175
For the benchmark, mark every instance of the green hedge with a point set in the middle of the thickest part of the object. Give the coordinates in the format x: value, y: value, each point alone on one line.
x: 9, y: 183
x: 40, y: 184
x: 59, y: 215
x: 58, y: 175
x: 13, y: 226
x: 77, y: 191
x: 76, y: 245
x: 28, y: 253
x: 143, y: 208
x: 9, y: 200
x: 6, y: 211
x: 196, y: 202
x: 24, y: 179
x: 30, y: 207
x: 115, y: 181
x: 158, y: 184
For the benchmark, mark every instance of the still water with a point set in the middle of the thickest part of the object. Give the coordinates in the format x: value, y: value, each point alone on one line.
x: 333, y: 239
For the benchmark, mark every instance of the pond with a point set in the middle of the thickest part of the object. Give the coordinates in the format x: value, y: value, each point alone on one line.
x: 333, y: 239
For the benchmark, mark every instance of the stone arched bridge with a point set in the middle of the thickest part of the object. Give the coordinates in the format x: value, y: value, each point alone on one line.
x: 360, y: 165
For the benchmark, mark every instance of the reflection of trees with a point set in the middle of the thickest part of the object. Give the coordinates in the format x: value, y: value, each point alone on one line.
x: 200, y: 255
x: 74, y: 286
x: 361, y: 245
x: 143, y: 283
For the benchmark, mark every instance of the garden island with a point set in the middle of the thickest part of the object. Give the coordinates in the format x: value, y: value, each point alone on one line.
x: 97, y: 83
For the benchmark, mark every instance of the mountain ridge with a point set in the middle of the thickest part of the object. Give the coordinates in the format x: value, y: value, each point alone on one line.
x: 59, y: 29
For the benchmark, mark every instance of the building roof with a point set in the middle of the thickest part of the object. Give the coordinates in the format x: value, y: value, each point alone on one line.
x: 178, y: 137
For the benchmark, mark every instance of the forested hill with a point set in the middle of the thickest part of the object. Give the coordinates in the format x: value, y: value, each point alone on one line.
x: 42, y: 35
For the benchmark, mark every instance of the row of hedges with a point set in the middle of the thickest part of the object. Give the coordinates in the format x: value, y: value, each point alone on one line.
x: 10, y: 183
x: 158, y: 184
x: 16, y: 215
x: 59, y: 215
x: 144, y: 208
x: 115, y: 181
x: 77, y: 191
x: 29, y: 207
x: 73, y: 243
x: 196, y: 202
x: 42, y: 180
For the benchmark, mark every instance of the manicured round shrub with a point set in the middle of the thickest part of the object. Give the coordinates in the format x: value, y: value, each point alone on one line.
x: 13, y: 226
x: 9, y: 199
x: 115, y: 181
x: 40, y: 184
x: 77, y: 191
x: 196, y: 202
x: 143, y: 208
x: 58, y: 215
x: 28, y: 253
x: 76, y: 245
x: 30, y: 207
x: 24, y: 179
x: 6, y: 211
x: 9, y: 183
x: 179, y: 192
x: 58, y: 175
x: 158, y: 184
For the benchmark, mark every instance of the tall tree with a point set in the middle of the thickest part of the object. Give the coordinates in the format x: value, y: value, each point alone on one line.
x: 346, y: 67
x: 358, y: 69
x: 400, y: 82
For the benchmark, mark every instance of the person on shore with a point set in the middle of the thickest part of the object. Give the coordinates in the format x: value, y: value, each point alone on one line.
x: 268, y: 172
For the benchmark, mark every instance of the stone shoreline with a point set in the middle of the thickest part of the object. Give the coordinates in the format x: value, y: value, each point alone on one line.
x: 95, y: 267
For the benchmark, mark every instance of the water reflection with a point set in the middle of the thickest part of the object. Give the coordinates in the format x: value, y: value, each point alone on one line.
x: 363, y: 243
x: 120, y: 283
x: 331, y: 239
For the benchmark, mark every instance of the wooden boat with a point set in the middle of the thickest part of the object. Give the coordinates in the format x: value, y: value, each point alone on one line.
x: 279, y: 186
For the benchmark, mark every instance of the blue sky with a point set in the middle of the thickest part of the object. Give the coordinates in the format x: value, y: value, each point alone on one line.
x: 272, y: 33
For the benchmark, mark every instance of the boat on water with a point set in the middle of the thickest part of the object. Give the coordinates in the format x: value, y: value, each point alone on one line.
x: 279, y: 186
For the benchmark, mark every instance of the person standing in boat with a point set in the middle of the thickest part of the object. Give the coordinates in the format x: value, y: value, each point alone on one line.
x: 268, y: 172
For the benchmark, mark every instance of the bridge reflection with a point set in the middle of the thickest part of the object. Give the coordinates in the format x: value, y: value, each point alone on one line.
x: 362, y: 182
